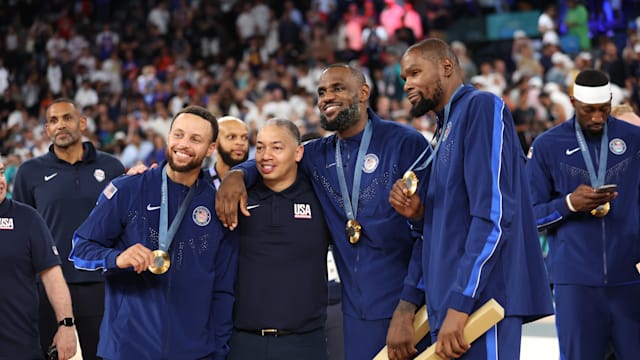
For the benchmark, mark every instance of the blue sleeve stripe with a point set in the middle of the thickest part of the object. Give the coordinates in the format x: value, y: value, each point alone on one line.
x: 550, y: 219
x: 494, y: 237
x: 90, y: 265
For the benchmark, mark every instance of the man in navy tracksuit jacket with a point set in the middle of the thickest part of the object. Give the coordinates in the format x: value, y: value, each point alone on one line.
x: 184, y: 313
x: 373, y: 270
x: 480, y: 240
x: 591, y: 259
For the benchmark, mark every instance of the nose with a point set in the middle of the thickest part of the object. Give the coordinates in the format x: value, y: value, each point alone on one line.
x: 407, y: 86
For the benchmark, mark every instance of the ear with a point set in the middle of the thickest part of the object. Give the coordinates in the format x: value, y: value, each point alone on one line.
x: 447, y: 67
x: 211, y: 148
x: 299, y: 153
x: 83, y: 123
x: 363, y: 94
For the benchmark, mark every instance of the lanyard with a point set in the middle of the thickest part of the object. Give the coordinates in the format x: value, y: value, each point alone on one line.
x: 596, y: 179
x: 165, y: 237
x: 351, y: 206
x: 447, y: 109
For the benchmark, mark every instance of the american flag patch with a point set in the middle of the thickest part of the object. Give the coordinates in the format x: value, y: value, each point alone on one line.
x: 110, y: 190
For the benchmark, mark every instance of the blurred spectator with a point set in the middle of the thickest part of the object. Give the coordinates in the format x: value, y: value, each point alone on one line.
x: 391, y: 16
x: 159, y: 17
x: 466, y: 64
x: 86, y: 95
x: 577, y: 22
x: 107, y: 42
x: 137, y: 149
x: 625, y: 112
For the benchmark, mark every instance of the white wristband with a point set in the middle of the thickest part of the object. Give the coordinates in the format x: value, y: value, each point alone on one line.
x: 569, y: 204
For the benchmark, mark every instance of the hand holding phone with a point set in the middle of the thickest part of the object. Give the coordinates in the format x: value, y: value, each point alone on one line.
x: 607, y: 188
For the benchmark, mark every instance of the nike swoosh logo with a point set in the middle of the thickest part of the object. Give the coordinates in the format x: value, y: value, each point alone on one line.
x: 330, y: 165
x: 151, y: 208
x: 49, y: 177
x: 249, y: 207
x: 570, y: 152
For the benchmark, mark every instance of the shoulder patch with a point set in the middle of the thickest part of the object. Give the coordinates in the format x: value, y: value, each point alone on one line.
x: 110, y: 190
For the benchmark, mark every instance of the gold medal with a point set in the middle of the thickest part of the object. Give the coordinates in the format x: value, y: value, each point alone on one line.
x: 161, y: 262
x: 601, y: 210
x: 411, y: 182
x: 353, y: 231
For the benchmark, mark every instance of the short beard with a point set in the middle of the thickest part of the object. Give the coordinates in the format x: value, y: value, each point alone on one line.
x: 190, y: 166
x: 227, y: 159
x: 425, y: 105
x: 344, y: 120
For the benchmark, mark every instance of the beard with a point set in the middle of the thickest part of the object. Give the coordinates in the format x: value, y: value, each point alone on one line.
x: 66, y: 141
x: 425, y: 105
x: 227, y: 159
x: 195, y: 163
x: 345, y: 118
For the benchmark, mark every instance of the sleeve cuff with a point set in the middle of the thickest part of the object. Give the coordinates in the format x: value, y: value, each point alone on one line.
x: 110, y: 261
x: 412, y: 295
x: 459, y: 302
x: 562, y: 206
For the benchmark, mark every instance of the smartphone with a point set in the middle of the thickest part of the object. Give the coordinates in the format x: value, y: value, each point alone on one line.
x: 607, y: 188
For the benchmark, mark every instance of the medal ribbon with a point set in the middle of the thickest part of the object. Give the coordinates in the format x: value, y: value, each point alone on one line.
x: 596, y: 179
x: 351, y: 206
x: 165, y: 237
x: 447, y: 109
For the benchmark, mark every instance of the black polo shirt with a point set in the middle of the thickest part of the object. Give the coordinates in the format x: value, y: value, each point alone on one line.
x: 64, y: 194
x: 282, y: 263
x: 26, y: 249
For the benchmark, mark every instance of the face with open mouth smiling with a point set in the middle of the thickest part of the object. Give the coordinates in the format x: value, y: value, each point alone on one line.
x: 340, y: 98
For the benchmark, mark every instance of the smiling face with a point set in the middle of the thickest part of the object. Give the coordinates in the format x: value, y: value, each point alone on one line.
x: 64, y: 124
x: 423, y: 82
x: 341, y: 98
x: 190, y: 141
x: 277, y: 155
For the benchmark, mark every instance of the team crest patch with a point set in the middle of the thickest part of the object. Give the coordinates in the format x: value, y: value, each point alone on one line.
x: 301, y: 211
x: 6, y: 223
x: 617, y: 146
x: 109, y: 191
x: 530, y: 153
x: 99, y: 175
x: 370, y: 164
x: 201, y: 216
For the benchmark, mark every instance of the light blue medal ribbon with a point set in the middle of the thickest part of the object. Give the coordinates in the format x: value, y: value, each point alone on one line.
x: 447, y: 109
x: 599, y: 178
x: 351, y: 203
x: 596, y: 179
x: 161, y: 260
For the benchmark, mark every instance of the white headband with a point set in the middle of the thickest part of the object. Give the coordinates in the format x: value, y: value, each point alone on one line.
x: 592, y: 94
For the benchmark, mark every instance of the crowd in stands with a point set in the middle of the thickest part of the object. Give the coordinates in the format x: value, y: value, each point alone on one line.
x: 131, y: 65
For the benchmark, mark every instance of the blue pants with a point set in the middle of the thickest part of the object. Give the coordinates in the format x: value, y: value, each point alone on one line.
x: 363, y: 339
x: 588, y: 319
x: 311, y: 345
x: 501, y: 342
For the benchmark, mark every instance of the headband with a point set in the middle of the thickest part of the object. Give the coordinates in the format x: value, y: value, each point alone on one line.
x: 592, y: 94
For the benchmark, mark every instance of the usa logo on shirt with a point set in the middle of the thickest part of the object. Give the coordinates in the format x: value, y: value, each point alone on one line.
x: 6, y: 223
x: 301, y: 211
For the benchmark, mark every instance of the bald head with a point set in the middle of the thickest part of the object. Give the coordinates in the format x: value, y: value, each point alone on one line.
x: 233, y: 141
